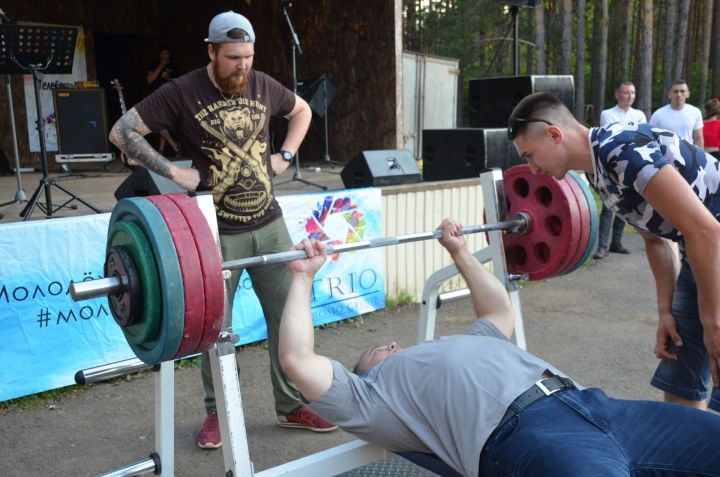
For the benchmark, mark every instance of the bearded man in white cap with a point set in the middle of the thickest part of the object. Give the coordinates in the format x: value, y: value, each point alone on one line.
x: 222, y: 111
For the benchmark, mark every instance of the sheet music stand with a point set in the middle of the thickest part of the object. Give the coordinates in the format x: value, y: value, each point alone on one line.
x: 319, y: 93
x: 40, y: 49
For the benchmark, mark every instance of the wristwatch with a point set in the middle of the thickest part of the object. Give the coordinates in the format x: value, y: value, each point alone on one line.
x: 287, y: 155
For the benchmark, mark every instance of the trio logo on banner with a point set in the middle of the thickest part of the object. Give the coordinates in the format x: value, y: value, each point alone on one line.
x: 46, y: 337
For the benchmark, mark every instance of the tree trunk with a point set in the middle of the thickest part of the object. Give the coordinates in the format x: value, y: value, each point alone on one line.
x: 645, y: 84
x: 540, y: 54
x: 580, y: 63
x: 601, y: 63
x: 682, y: 29
x: 566, y: 56
x: 627, y: 41
x: 670, y: 21
x: 705, y: 54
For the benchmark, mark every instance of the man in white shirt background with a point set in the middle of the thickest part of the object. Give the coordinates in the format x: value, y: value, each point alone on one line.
x: 622, y: 112
x: 683, y: 119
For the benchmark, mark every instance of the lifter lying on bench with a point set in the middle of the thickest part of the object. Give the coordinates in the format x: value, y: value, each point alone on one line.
x: 481, y: 404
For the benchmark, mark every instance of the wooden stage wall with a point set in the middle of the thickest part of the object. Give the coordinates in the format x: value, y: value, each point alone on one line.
x: 354, y: 42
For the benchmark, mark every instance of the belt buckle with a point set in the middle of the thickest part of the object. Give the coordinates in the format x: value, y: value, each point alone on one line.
x: 544, y: 388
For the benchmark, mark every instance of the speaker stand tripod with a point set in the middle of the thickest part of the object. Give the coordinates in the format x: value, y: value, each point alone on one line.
x: 20, y: 196
x: 46, y: 182
x: 297, y: 175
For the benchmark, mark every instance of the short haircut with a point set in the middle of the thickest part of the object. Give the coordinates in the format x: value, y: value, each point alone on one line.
x: 679, y: 81
x: 625, y: 83
x: 542, y: 106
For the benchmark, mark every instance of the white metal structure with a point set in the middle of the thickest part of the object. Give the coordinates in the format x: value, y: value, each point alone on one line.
x: 332, y: 461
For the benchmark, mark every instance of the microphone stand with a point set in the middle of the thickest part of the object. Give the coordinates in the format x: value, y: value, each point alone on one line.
x: 297, y: 175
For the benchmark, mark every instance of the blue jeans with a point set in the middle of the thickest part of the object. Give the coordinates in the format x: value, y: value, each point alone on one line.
x: 585, y: 433
x: 607, y: 218
x: 688, y: 376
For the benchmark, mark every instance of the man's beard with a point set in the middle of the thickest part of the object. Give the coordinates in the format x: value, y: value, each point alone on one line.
x: 234, y: 84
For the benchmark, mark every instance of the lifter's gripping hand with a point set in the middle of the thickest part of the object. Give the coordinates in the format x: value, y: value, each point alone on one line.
x: 452, y: 238
x: 316, y: 256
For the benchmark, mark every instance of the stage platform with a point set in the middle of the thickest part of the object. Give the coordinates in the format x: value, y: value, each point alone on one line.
x: 96, y: 186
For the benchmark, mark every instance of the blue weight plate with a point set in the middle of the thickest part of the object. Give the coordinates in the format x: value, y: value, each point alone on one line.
x: 594, y: 218
x: 148, y: 218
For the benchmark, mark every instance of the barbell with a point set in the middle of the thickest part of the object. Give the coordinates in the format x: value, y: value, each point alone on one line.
x: 164, y: 274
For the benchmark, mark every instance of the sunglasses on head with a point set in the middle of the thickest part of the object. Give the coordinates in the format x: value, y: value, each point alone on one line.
x: 512, y: 129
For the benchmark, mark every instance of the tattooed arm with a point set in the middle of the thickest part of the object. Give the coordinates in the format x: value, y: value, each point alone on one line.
x: 128, y: 134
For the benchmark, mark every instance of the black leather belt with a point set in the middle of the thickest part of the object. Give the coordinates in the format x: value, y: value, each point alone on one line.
x: 542, y: 388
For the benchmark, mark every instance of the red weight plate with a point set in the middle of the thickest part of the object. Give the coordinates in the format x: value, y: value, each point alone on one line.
x: 191, y: 270
x: 213, y: 281
x: 584, y: 224
x: 555, y: 227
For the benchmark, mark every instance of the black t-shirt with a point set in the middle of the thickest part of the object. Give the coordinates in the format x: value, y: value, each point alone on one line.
x: 169, y: 72
x: 228, y: 141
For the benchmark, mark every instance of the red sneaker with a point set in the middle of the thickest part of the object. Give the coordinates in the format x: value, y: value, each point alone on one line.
x: 304, y: 418
x: 209, y: 434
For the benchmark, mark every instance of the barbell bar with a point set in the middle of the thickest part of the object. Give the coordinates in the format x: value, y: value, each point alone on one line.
x: 116, y: 285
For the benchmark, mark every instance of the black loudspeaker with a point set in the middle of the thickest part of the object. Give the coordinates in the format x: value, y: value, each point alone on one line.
x: 465, y: 152
x: 81, y: 120
x: 142, y: 182
x: 381, y: 168
x: 493, y: 99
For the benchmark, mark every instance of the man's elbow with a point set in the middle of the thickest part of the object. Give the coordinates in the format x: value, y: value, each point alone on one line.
x: 116, y: 136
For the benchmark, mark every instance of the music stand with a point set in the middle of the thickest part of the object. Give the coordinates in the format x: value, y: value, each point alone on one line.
x: 40, y: 49
x: 319, y: 93
x: 297, y: 175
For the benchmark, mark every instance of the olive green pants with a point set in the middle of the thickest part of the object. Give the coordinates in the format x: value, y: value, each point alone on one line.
x: 271, y: 283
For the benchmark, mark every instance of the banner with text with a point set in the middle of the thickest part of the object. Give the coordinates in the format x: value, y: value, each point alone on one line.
x: 46, y: 337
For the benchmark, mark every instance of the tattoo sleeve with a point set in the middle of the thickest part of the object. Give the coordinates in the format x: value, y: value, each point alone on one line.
x: 128, y: 134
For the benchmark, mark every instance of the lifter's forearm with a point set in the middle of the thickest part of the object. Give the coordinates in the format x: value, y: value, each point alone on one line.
x: 488, y: 293
x: 297, y: 337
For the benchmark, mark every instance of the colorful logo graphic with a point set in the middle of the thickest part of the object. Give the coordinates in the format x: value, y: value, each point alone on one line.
x: 336, y: 222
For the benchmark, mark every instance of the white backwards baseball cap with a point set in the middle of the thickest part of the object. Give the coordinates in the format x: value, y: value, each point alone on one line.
x: 224, y: 23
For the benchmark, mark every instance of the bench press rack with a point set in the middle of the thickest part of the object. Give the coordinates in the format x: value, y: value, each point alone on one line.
x: 329, y: 462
